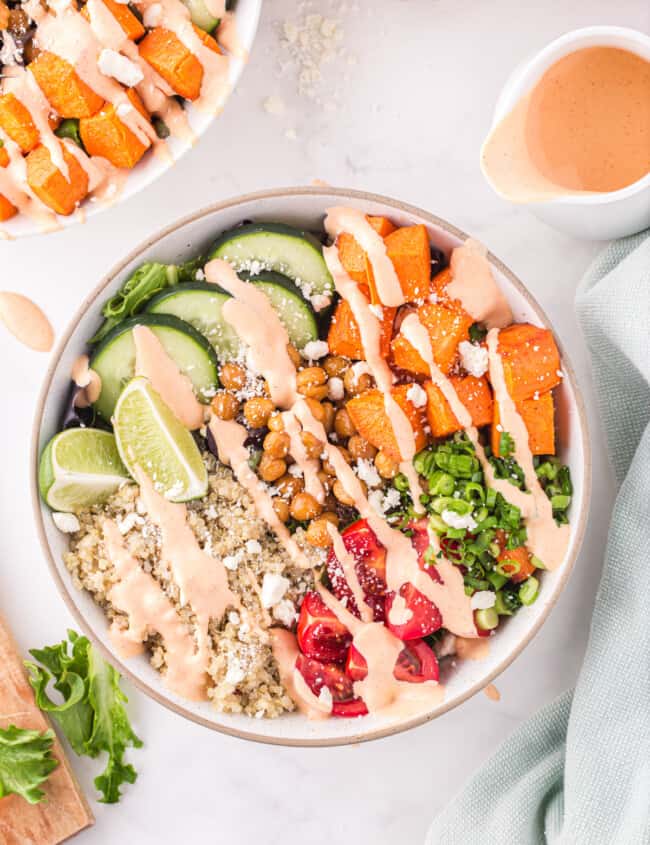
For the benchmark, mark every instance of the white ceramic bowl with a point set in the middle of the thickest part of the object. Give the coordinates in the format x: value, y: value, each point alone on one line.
x: 591, y: 216
x: 303, y: 207
x: 150, y: 167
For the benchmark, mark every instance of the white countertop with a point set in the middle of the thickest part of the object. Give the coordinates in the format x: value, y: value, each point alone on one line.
x: 411, y: 118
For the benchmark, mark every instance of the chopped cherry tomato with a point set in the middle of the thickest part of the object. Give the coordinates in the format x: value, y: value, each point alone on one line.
x: 420, y: 541
x: 424, y: 618
x: 320, y: 634
x: 318, y: 675
x: 416, y: 663
x: 370, y: 565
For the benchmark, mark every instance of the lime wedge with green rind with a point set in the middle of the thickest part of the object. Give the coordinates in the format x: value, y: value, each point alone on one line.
x: 150, y: 438
x: 80, y: 467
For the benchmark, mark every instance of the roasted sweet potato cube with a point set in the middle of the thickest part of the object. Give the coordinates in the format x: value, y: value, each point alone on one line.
x: 354, y: 260
x: 104, y: 134
x: 344, y: 337
x: 177, y: 65
x: 7, y: 209
x: 447, y: 327
x: 4, y: 15
x: 531, y: 361
x: 50, y: 185
x: 515, y: 562
x: 17, y: 122
x: 4, y: 156
x: 409, y: 250
x: 539, y: 417
x: 131, y: 26
x: 369, y: 416
x: 474, y: 393
x: 66, y: 92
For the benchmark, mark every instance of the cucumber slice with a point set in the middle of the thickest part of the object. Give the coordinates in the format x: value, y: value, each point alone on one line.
x: 200, y: 15
x: 200, y: 305
x: 273, y: 246
x: 294, y: 311
x: 114, y: 360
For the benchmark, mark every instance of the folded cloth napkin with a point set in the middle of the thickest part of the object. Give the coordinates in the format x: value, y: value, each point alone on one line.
x: 578, y: 772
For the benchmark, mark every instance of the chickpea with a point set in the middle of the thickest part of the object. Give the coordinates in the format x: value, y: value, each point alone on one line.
x: 257, y: 411
x: 335, y: 365
x: 313, y: 446
x: 270, y: 468
x: 312, y: 382
x: 360, y: 448
x: 304, y: 507
x: 328, y: 466
x: 293, y: 353
x: 342, y: 495
x: 275, y: 422
x: 276, y: 444
x: 289, y: 486
x: 329, y: 414
x: 316, y: 409
x: 386, y: 466
x: 325, y: 479
x: 225, y: 405
x: 355, y: 384
x: 343, y: 424
x: 281, y: 509
x: 233, y: 377
x: 318, y: 533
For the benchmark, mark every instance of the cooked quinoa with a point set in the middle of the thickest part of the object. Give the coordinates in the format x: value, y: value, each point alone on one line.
x: 243, y: 673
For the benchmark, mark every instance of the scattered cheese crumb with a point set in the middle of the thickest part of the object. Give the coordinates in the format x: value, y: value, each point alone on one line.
x: 315, y: 349
x: 274, y: 105
x: 253, y: 547
x: 66, y: 522
x: 199, y: 275
x: 433, y: 298
x: 417, y: 395
x: 112, y: 63
x: 483, y: 600
x: 295, y: 470
x: 325, y: 697
x: 320, y: 301
x: 291, y: 134
x: 232, y: 561
x: 273, y: 588
x: 235, y: 673
x: 367, y: 472
x: 335, y: 389
x: 391, y: 499
x: 129, y: 522
x: 474, y: 358
x: 457, y: 520
x: 285, y: 612
x: 376, y: 501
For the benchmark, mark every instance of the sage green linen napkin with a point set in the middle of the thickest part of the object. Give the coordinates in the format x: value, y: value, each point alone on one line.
x: 579, y: 770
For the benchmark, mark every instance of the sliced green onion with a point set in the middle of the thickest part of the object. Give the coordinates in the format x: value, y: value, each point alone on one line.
x: 401, y: 482
x: 437, y: 524
x: 474, y: 493
x: 560, y: 502
x: 529, y: 591
x: 487, y: 619
x: 441, y: 483
x: 537, y: 563
x: 500, y: 605
x: 513, y: 567
x: 497, y: 579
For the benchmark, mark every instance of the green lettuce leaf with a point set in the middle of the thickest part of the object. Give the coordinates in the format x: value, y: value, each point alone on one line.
x: 91, y: 713
x: 26, y: 761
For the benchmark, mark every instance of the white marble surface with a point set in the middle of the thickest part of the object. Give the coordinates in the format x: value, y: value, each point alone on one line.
x: 411, y: 118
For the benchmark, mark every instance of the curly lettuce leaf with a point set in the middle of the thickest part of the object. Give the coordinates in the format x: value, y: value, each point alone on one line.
x: 91, y: 713
x: 26, y: 761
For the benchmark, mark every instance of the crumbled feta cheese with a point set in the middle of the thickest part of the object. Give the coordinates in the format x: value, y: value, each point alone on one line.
x: 129, y: 522
x: 360, y: 368
x: 273, y: 588
x: 199, y: 275
x: 234, y: 617
x: 483, y: 599
x: 295, y: 470
x: 391, y: 499
x: 377, y: 310
x: 325, y: 697
x: 11, y: 53
x: 152, y: 15
x: 335, y: 389
x: 315, y: 349
x: 320, y: 301
x: 474, y: 358
x: 376, y: 501
x: 253, y: 547
x: 285, y: 612
x: 290, y: 134
x: 112, y: 63
x: 232, y: 561
x: 235, y: 673
x: 417, y: 395
x: 66, y: 522
x: 457, y: 520
x: 367, y: 472
x: 433, y: 298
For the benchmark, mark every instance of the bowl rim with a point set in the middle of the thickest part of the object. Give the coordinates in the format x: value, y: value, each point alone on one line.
x: 526, y: 75
x: 67, y: 591
x: 87, y: 210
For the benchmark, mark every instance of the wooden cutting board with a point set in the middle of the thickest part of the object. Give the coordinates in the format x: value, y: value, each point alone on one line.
x: 64, y: 811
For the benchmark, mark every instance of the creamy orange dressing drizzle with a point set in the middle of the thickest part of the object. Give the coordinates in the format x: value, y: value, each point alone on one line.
x: 308, y: 466
x: 26, y: 321
x: 476, y: 649
x: 285, y: 652
x: 229, y: 437
x: 492, y: 692
x: 174, y: 387
x: 138, y: 595
x: 474, y: 286
x: 227, y: 34
x: 348, y: 565
x: 354, y: 222
x: 88, y: 380
x: 370, y: 332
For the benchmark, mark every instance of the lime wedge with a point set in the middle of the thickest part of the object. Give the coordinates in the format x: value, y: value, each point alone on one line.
x: 150, y: 437
x: 80, y: 467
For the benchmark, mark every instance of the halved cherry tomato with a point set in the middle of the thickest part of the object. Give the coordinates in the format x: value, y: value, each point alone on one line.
x: 424, y: 618
x: 320, y: 634
x: 416, y: 663
x: 370, y: 565
x: 420, y: 541
x: 318, y: 675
